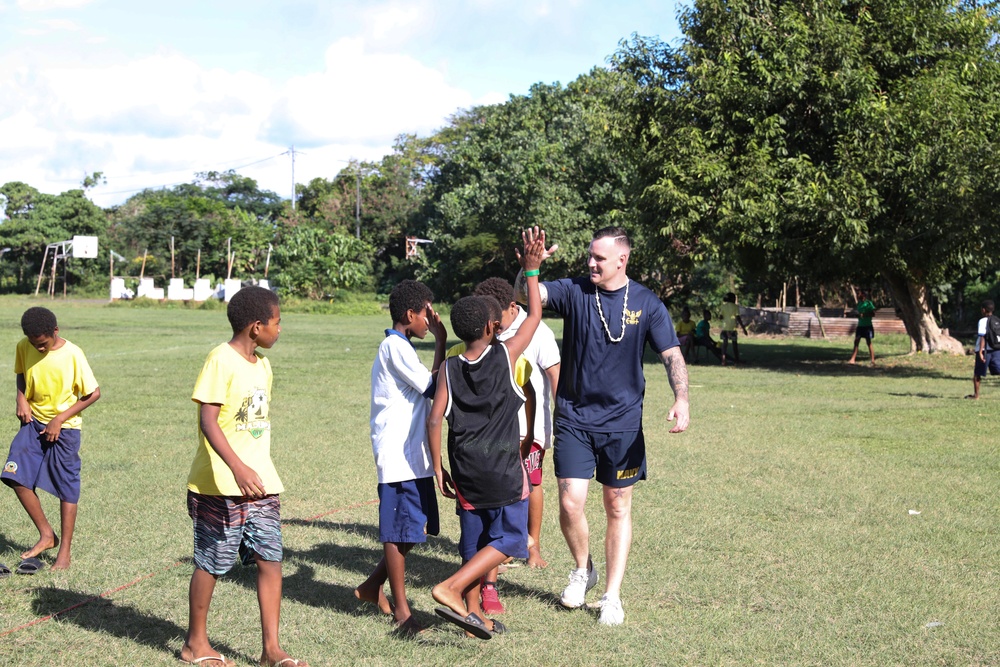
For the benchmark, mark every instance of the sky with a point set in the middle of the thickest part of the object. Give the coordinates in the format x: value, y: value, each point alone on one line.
x: 151, y: 92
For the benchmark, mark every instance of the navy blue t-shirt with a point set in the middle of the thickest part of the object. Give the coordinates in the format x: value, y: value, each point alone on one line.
x: 601, y: 384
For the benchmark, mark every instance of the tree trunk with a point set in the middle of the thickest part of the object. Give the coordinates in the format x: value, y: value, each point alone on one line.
x: 925, y: 335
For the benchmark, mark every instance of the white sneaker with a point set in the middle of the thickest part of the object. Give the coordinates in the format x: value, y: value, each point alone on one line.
x: 580, y: 581
x: 611, y: 611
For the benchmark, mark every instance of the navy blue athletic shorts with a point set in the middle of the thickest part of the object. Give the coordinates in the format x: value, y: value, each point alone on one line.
x: 408, y: 511
x: 39, y: 464
x: 864, y: 332
x: 503, y: 528
x: 991, y: 364
x: 618, y: 458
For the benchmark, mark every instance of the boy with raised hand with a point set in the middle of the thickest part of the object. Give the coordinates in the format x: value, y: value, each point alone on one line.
x: 480, y: 399
x: 400, y: 402
x: 54, y: 385
x: 233, y: 486
x: 865, y: 328
x: 543, y: 355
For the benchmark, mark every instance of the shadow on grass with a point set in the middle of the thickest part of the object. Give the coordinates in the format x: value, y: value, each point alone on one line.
x: 7, y: 545
x: 120, y: 620
x: 817, y: 358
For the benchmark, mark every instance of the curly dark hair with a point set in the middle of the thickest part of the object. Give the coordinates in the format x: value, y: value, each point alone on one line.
x: 988, y: 306
x: 499, y: 289
x: 408, y: 295
x: 249, y: 305
x: 470, y: 315
x: 38, y: 321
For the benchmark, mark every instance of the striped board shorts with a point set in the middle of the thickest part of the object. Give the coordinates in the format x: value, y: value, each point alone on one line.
x: 226, y: 527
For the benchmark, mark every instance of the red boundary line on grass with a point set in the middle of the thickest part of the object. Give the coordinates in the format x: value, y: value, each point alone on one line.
x: 153, y: 574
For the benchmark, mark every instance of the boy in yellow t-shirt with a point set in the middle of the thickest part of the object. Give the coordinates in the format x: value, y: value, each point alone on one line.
x: 233, y: 487
x: 54, y: 385
x: 685, y: 328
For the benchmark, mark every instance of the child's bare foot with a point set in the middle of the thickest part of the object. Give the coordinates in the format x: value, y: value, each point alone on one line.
x: 44, y: 543
x: 449, y: 598
x: 207, y: 657
x: 376, y: 597
x: 281, y: 659
x: 535, y: 559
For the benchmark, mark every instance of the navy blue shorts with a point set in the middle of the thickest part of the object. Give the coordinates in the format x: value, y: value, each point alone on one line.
x: 864, y: 332
x: 408, y: 511
x: 40, y: 464
x: 231, y: 527
x: 619, y: 458
x: 991, y: 364
x: 503, y: 528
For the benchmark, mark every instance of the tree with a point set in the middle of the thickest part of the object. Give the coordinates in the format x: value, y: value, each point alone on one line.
x: 547, y: 158
x: 36, y: 219
x: 828, y: 139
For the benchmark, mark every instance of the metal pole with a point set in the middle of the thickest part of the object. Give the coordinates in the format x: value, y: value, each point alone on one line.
x: 357, y: 204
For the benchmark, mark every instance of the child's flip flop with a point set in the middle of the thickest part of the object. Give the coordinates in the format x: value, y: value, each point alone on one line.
x: 30, y: 566
x: 471, y: 623
x: 4, y: 571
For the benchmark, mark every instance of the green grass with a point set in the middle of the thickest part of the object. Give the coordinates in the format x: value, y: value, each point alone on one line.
x: 776, y: 531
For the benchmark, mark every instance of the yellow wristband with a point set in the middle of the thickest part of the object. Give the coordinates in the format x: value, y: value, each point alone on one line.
x: 531, y: 273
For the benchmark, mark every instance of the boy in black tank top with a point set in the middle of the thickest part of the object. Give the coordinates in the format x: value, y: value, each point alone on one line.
x: 480, y: 400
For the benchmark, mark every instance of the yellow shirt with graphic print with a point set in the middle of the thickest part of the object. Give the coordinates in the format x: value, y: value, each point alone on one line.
x: 243, y: 390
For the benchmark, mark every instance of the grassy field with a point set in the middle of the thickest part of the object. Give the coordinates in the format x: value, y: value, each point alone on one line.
x: 781, y: 529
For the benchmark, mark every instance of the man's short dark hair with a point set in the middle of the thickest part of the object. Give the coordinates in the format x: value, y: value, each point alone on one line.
x: 730, y: 297
x: 988, y: 306
x: 498, y: 288
x: 469, y: 317
x: 408, y: 295
x: 617, y: 233
x: 706, y: 314
x: 38, y: 321
x: 249, y: 305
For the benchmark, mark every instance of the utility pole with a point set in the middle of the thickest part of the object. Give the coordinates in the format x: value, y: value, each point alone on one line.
x: 291, y: 151
x: 357, y: 203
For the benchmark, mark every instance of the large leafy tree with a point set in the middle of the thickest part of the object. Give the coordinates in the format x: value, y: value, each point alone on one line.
x: 827, y: 138
x: 35, y: 219
x: 547, y: 158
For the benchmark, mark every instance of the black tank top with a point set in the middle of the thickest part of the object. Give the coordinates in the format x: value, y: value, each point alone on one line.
x: 483, y: 443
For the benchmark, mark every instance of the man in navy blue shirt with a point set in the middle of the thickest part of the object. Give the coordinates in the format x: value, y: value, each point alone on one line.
x: 607, y: 321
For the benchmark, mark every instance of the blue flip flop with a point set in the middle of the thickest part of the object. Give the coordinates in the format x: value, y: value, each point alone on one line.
x: 30, y: 566
x: 471, y: 623
x: 4, y: 571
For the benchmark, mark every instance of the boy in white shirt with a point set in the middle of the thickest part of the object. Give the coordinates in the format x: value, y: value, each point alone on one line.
x: 402, y: 388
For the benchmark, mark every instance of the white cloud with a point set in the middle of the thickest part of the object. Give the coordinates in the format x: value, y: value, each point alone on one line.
x: 366, y: 96
x: 157, y: 120
x: 47, y: 5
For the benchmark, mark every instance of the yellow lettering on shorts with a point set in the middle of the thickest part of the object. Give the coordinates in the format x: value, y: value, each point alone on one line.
x: 628, y: 474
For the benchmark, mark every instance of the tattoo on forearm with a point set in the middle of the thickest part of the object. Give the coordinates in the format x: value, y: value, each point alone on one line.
x: 677, y: 373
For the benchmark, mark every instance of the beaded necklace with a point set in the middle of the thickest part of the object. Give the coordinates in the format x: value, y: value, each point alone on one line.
x: 600, y: 311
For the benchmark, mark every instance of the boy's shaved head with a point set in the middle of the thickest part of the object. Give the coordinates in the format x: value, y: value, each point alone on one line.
x: 470, y: 315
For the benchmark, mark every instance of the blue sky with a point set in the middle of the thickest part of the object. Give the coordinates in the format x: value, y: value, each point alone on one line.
x: 150, y: 92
